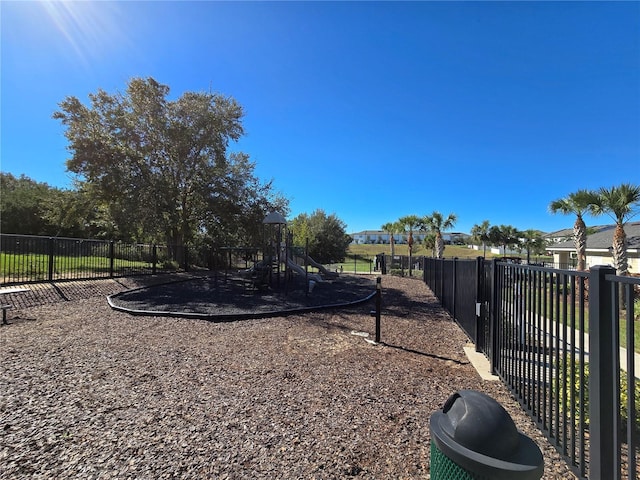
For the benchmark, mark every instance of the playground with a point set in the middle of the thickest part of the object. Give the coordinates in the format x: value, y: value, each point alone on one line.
x: 275, y: 279
x: 220, y: 297
x: 138, y: 386
x: 93, y: 392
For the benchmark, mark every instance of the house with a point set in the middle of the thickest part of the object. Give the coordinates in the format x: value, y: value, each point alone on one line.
x: 382, y: 237
x: 559, y: 236
x: 599, y: 247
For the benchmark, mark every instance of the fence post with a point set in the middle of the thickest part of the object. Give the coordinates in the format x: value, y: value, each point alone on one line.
x: 112, y: 252
x: 479, y: 304
x: 441, y: 280
x: 378, y: 306
x: 52, y: 249
x: 493, y: 317
x: 454, y: 286
x: 602, y: 375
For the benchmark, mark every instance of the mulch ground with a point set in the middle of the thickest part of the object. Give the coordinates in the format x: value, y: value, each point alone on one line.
x: 87, y: 391
x: 220, y: 297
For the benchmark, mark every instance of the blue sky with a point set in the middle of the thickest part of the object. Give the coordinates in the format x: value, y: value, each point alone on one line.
x: 369, y: 110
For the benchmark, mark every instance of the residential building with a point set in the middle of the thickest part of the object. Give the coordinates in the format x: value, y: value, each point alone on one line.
x: 382, y: 237
x: 599, y: 247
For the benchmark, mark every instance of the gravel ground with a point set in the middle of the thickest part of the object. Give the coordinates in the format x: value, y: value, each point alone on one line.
x: 90, y: 392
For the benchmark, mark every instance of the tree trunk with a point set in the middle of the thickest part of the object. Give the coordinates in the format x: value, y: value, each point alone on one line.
x: 620, y: 260
x: 580, y: 242
x: 439, y: 246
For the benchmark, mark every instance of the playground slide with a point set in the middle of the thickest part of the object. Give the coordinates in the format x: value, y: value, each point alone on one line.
x: 299, y: 270
x: 319, y: 266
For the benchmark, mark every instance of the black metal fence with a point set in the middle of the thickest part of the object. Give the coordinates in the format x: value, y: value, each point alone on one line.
x: 563, y: 341
x: 30, y: 259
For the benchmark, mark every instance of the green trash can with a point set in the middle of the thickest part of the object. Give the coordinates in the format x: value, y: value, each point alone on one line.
x: 474, y: 438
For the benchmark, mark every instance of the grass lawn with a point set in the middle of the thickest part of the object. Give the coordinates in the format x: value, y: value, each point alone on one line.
x: 36, y: 266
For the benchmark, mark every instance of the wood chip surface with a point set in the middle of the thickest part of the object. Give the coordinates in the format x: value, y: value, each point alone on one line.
x: 93, y: 393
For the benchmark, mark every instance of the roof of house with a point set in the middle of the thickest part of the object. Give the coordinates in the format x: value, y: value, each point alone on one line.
x: 369, y: 232
x: 602, y: 239
x: 565, y: 232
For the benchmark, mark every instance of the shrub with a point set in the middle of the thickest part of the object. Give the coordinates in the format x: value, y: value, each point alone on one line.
x: 624, y: 396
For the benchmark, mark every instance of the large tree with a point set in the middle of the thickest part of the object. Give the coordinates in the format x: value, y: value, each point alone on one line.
x: 28, y: 207
x: 437, y: 224
x: 576, y: 203
x: 162, y: 165
x: 328, y: 240
x: 620, y: 203
x: 22, y: 205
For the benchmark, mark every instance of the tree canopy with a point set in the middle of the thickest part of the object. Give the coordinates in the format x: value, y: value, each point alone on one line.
x: 437, y: 224
x: 480, y: 233
x: 504, y: 236
x: 162, y: 167
x: 620, y: 203
x: 328, y: 240
x: 35, y: 208
x: 576, y: 203
x: 22, y: 204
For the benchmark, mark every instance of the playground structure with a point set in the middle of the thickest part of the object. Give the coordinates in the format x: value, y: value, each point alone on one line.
x: 280, y: 260
x: 284, y: 285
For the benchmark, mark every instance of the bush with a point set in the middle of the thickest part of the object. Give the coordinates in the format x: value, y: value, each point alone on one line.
x: 624, y: 396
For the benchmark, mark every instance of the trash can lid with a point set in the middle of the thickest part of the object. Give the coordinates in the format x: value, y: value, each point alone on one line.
x: 477, y: 433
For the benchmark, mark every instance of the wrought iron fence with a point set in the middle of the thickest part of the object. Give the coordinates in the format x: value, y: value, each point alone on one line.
x: 30, y: 259
x: 564, y: 342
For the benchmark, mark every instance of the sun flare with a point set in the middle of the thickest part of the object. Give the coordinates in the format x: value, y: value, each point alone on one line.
x: 88, y: 27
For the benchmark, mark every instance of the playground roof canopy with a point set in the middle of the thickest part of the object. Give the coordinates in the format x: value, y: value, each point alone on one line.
x: 275, y: 218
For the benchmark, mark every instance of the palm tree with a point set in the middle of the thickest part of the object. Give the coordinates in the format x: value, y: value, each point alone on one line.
x: 437, y: 224
x: 391, y: 228
x: 429, y: 243
x: 576, y: 203
x: 407, y: 224
x: 504, y: 236
x: 480, y: 233
x: 621, y: 204
x: 532, y: 240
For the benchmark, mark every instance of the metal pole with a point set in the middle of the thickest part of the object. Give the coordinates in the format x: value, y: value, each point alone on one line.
x: 154, y: 259
x: 454, y: 287
x: 602, y: 375
x: 378, y: 306
x: 306, y: 264
x: 480, y: 318
x: 493, y: 316
x: 278, y: 245
x: 111, y: 257
x: 51, y: 259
